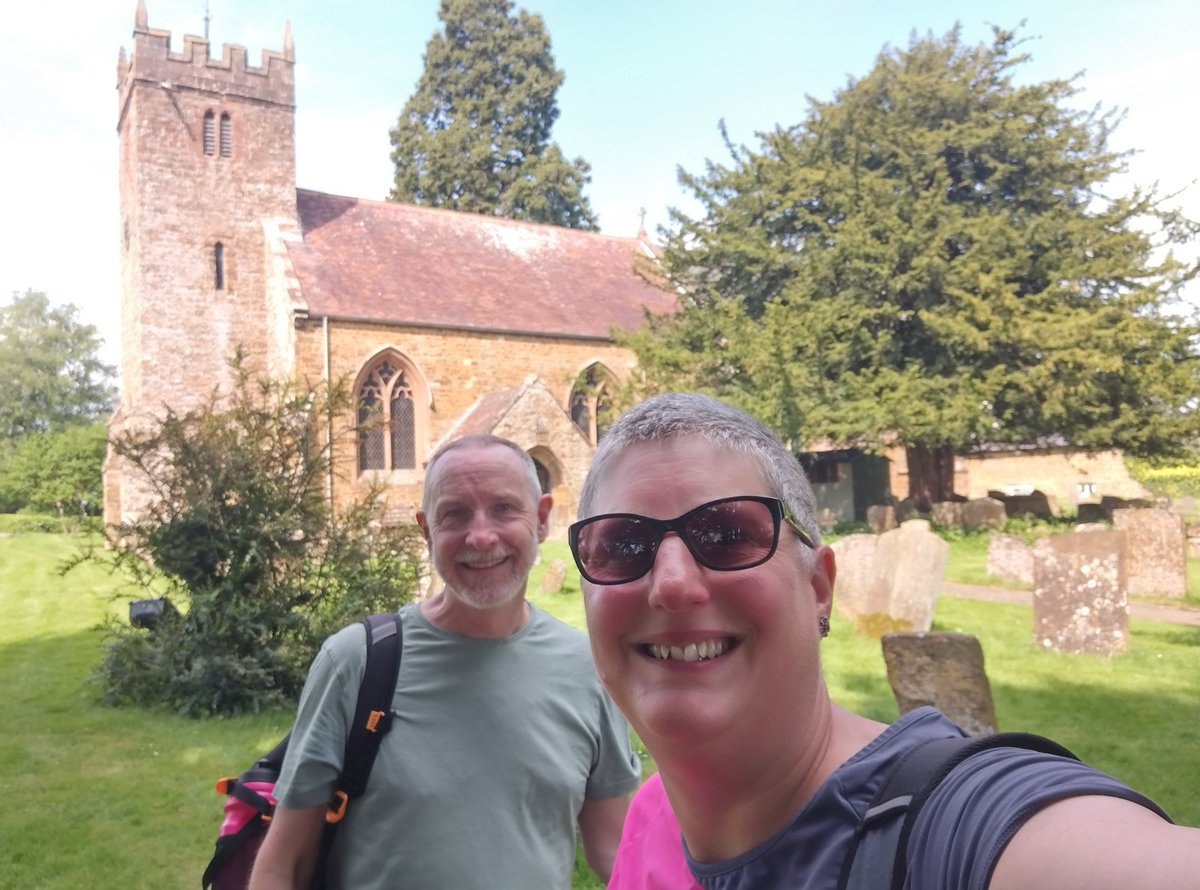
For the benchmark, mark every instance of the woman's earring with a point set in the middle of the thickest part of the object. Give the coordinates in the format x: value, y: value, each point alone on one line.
x: 823, y: 625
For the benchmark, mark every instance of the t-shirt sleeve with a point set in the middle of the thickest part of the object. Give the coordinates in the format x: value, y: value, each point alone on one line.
x: 969, y: 818
x: 318, y: 740
x: 617, y: 770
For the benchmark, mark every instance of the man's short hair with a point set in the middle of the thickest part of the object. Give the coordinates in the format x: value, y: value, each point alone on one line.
x: 481, y: 440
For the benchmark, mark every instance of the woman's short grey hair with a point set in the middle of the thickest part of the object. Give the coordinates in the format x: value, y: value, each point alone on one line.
x: 674, y: 415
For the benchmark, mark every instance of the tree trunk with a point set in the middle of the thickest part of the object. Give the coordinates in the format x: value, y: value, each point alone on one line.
x: 930, y: 475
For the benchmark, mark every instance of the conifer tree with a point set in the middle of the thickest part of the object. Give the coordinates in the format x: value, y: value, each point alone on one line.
x: 475, y: 135
x: 935, y: 258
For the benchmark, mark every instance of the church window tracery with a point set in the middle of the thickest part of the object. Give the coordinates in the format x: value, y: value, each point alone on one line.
x: 387, y: 418
x: 591, y: 407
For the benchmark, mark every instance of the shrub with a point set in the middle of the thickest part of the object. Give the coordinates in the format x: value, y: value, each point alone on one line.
x: 239, y: 535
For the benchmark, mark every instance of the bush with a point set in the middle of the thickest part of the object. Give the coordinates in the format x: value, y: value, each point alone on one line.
x: 239, y: 535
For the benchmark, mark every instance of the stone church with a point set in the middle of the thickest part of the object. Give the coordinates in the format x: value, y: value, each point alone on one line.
x: 444, y: 322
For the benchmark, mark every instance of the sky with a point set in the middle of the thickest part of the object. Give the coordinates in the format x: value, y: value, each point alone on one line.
x: 647, y: 85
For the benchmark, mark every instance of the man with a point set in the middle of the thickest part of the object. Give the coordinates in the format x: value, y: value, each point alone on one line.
x: 502, y: 739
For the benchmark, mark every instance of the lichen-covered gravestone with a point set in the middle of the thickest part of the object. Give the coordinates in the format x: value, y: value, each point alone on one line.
x: 944, y: 670
x: 1079, y: 595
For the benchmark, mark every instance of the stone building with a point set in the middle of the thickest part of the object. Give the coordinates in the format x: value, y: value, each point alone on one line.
x: 445, y: 322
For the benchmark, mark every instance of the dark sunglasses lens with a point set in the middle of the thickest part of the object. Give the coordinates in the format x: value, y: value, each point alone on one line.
x: 733, y: 534
x: 613, y: 549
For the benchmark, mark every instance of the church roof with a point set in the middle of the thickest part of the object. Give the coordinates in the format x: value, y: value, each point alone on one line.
x: 398, y: 263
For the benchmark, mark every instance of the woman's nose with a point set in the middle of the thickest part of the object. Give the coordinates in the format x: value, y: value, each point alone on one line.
x: 677, y: 581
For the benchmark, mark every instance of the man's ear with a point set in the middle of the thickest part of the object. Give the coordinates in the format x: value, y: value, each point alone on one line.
x: 423, y: 524
x: 545, y: 503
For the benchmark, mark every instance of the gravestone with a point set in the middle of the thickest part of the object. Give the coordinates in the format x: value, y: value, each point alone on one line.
x: 1035, y: 503
x: 1155, y: 551
x: 1009, y: 557
x: 980, y: 513
x: 553, y: 576
x: 944, y: 670
x: 1079, y: 595
x: 906, y: 510
x: 910, y: 562
x: 947, y: 514
x: 881, y: 518
x: 853, y: 588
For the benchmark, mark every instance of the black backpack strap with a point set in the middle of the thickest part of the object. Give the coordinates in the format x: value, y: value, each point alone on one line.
x: 372, y: 720
x: 878, y: 856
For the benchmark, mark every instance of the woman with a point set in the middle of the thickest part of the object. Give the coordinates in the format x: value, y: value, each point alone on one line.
x: 707, y: 595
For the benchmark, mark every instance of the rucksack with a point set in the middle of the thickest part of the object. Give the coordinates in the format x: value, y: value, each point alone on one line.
x: 878, y: 857
x: 249, y: 798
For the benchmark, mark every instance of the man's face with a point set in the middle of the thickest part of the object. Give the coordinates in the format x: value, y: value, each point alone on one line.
x: 484, y: 524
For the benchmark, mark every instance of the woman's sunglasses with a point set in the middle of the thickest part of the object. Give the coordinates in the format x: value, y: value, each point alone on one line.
x: 726, y: 535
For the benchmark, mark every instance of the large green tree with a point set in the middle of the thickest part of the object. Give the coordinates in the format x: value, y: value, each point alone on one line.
x: 50, y: 367
x: 936, y: 258
x: 475, y: 135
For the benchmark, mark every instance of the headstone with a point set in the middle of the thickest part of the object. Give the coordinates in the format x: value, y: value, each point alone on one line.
x: 1093, y: 527
x: 979, y: 513
x: 944, y: 670
x: 947, y: 514
x: 890, y: 582
x: 1155, y: 551
x: 1193, y: 536
x: 1035, y: 503
x: 906, y: 510
x: 853, y: 588
x: 910, y: 562
x: 1079, y: 598
x: 1010, y: 558
x: 553, y: 576
x: 881, y: 518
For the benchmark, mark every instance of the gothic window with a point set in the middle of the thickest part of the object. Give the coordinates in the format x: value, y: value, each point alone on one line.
x: 387, y: 423
x: 219, y: 265
x: 226, y: 136
x: 210, y: 136
x: 591, y: 405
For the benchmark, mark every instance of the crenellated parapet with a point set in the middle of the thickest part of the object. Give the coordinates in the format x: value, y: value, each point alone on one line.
x: 153, y: 63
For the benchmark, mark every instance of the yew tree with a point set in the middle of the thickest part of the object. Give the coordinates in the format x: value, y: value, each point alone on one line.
x: 475, y: 135
x: 938, y: 258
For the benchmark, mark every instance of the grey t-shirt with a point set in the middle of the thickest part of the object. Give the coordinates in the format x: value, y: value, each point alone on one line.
x: 957, y: 837
x: 494, y: 747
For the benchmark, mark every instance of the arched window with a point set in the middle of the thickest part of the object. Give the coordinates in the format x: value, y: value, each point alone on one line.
x: 219, y: 265
x: 591, y: 405
x: 210, y: 135
x: 387, y: 423
x: 226, y: 135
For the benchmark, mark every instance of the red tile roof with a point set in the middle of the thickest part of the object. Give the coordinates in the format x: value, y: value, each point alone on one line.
x: 399, y: 263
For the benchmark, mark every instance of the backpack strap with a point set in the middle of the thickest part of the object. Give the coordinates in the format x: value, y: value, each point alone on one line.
x: 878, y: 855
x: 372, y: 720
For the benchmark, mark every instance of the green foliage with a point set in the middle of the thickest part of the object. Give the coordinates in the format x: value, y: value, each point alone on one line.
x: 1169, y: 480
x: 55, y: 472
x: 239, y: 534
x: 933, y: 259
x: 475, y: 135
x: 49, y: 363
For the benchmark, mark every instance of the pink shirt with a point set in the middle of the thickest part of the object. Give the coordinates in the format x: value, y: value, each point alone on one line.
x: 650, y: 856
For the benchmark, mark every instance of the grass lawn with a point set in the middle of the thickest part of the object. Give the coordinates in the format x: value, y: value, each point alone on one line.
x: 103, y: 797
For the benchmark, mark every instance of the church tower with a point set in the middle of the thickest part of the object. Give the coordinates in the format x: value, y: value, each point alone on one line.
x: 207, y: 153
